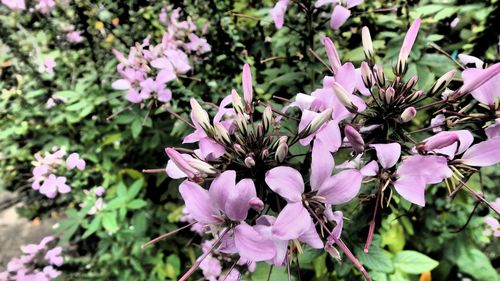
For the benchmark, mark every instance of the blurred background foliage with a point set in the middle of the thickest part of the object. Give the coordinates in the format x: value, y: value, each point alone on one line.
x: 118, y: 140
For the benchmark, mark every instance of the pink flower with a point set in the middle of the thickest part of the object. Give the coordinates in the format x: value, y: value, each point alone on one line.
x: 47, y: 66
x: 408, y: 42
x: 52, y: 185
x: 278, y: 13
x: 340, y: 13
x: 15, y: 5
x: 44, y: 6
x: 482, y: 83
x: 74, y: 161
x: 74, y: 36
x: 54, y: 257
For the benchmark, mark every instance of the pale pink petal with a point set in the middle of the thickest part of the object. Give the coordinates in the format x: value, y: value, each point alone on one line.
x: 210, y: 149
x: 493, y: 130
x: 221, y: 188
x: 238, y: 203
x: 411, y: 188
x: 339, y: 16
x: 370, y: 169
x: 311, y: 237
x: 121, y: 84
x: 342, y: 187
x: 487, y: 92
x: 329, y: 135
x: 352, y: 3
x: 198, y: 202
x: 321, y: 166
x: 486, y: 153
x: 252, y: 245
x: 409, y: 40
x: 287, y: 182
x: 292, y: 222
x: 387, y: 154
x: 433, y: 169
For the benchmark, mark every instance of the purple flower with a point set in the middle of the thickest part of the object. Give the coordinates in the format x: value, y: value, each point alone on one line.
x: 74, y: 161
x: 229, y: 200
x: 15, y: 5
x: 294, y: 220
x: 74, y: 36
x: 340, y: 13
x: 47, y: 66
x: 54, y: 257
x: 278, y: 13
x: 44, y: 6
x: 53, y: 185
x: 482, y: 83
x: 416, y: 172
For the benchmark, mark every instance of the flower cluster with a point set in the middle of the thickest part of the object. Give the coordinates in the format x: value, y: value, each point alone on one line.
x: 45, y: 179
x: 340, y: 14
x: 96, y: 196
x: 38, y: 262
x: 43, y: 6
x: 148, y: 68
x: 261, y: 203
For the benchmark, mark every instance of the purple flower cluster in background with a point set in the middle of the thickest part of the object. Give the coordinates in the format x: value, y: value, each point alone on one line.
x: 148, y: 68
x: 45, y: 178
x: 39, y: 262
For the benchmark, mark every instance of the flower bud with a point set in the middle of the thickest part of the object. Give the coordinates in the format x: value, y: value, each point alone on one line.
x: 366, y: 75
x: 344, y: 98
x: 264, y: 153
x: 200, y: 115
x: 238, y: 148
x: 411, y: 83
x: 241, y: 122
x: 267, y: 117
x: 354, y: 138
x: 319, y: 120
x: 181, y: 162
x: 415, y: 96
x: 247, y: 86
x: 334, y: 253
x: 408, y: 42
x: 221, y: 133
x: 408, y: 114
x: 202, y: 166
x: 367, y: 44
x: 438, y: 141
x: 442, y: 82
x: 282, y: 150
x: 236, y: 101
x: 390, y: 95
x: 379, y: 74
x: 331, y: 52
x: 249, y: 162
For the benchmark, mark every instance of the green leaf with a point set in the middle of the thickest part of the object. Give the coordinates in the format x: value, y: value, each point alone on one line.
x: 173, y: 266
x: 136, y: 128
x: 472, y: 261
x: 109, y: 222
x: 376, y: 259
x: 94, y: 225
x: 414, y: 262
x: 261, y: 273
x: 135, y: 188
x: 136, y: 204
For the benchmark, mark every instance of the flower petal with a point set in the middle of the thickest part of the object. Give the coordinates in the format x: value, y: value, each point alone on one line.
x: 252, y: 245
x: 238, y: 202
x: 411, y: 188
x: 198, y: 202
x: 287, y: 182
x: 292, y: 222
x: 222, y: 188
x: 321, y: 166
x: 342, y: 187
x: 339, y: 16
x: 483, y: 154
x: 311, y: 237
x: 433, y: 169
x: 387, y: 154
